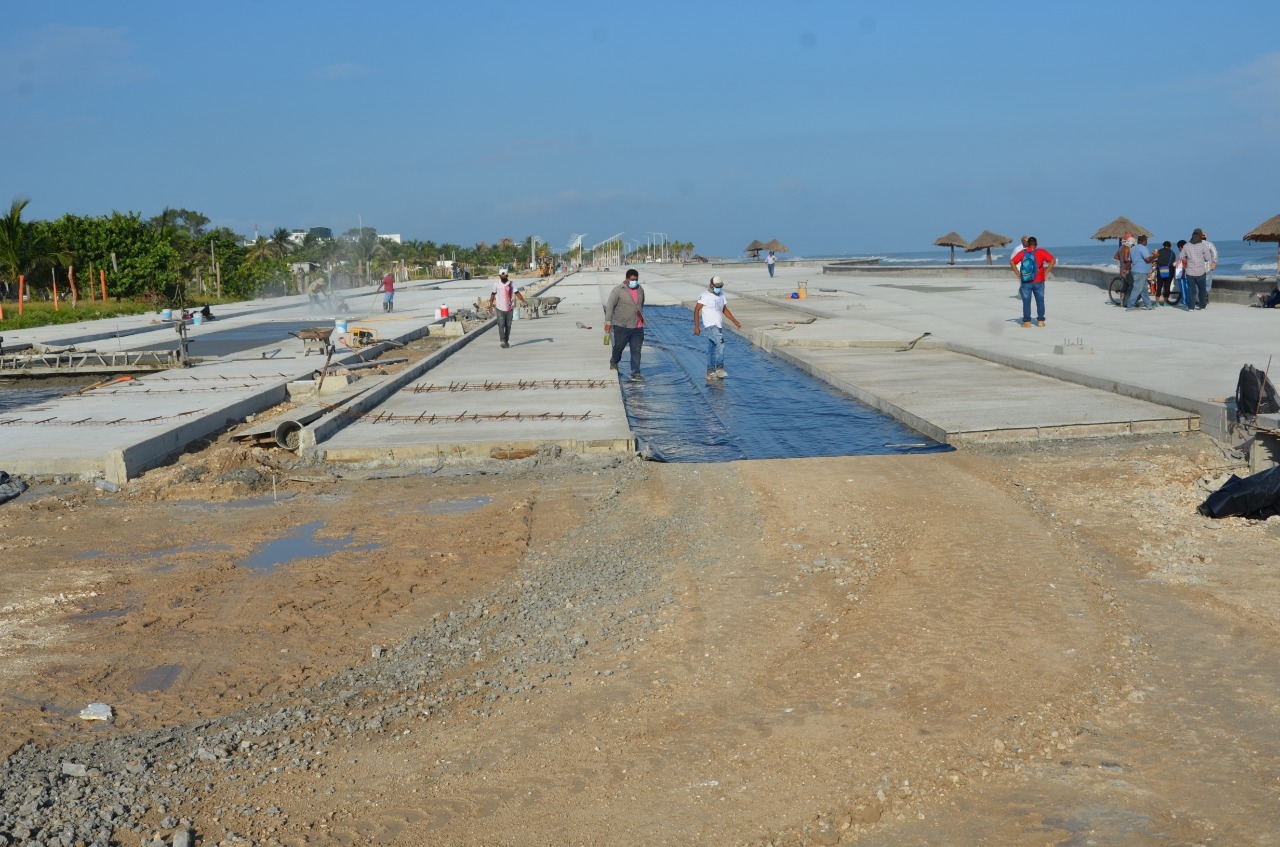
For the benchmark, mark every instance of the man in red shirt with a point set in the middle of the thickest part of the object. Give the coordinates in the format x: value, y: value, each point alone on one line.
x: 1031, y: 275
x: 388, y: 289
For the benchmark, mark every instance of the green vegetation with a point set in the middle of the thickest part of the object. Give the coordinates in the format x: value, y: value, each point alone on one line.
x: 175, y: 259
x: 42, y: 313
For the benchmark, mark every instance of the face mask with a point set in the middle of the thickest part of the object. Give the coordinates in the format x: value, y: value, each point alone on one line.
x: 717, y: 290
x: 633, y: 283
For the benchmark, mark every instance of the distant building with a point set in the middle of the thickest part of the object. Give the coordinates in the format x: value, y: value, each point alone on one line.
x: 297, y: 236
x: 395, y: 238
x: 321, y: 232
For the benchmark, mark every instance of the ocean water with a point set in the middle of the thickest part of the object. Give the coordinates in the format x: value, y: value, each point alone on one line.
x: 1235, y: 257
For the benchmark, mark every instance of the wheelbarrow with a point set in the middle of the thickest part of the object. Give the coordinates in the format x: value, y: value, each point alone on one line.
x: 314, y: 339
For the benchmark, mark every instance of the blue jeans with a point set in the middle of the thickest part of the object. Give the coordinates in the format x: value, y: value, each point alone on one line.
x: 715, y: 347
x: 771, y: 269
x: 1199, y: 292
x: 1138, y: 288
x: 623, y: 338
x: 1026, y: 291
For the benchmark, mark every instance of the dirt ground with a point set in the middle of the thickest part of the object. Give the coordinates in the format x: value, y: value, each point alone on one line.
x: 1024, y: 645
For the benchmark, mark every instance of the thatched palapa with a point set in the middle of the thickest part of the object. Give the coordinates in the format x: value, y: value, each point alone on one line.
x: 952, y: 240
x: 1121, y: 227
x: 986, y: 241
x: 776, y: 246
x: 1268, y: 230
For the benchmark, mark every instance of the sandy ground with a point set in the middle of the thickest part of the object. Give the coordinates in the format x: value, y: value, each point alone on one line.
x: 1039, y: 645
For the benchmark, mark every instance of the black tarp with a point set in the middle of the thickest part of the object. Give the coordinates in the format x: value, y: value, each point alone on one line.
x: 1256, y: 496
x: 10, y: 487
x: 766, y: 409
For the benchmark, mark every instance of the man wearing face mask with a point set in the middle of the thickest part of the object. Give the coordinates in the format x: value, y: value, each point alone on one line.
x: 709, y: 314
x: 624, y: 318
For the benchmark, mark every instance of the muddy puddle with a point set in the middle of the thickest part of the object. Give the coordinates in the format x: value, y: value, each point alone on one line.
x: 301, y: 544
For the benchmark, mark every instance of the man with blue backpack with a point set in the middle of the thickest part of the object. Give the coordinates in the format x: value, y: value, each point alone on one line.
x: 1032, y: 265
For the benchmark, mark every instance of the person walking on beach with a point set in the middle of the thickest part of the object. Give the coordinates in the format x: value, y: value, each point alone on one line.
x: 1136, y: 280
x: 624, y: 318
x: 771, y: 261
x: 1032, y: 265
x: 388, y: 289
x: 709, y: 314
x: 1165, y: 260
x: 1200, y: 258
x: 502, y: 302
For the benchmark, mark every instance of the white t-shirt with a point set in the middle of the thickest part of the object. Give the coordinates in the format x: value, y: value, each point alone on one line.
x: 504, y: 299
x: 712, y: 308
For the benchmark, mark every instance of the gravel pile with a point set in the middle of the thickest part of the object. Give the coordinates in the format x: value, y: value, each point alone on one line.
x: 574, y: 610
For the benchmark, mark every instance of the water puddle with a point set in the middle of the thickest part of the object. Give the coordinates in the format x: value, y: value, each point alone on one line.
x: 101, y: 614
x: 300, y: 544
x: 157, y: 679
x: 456, y: 507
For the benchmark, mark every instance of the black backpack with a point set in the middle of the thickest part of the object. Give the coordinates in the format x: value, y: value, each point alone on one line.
x: 1255, y: 394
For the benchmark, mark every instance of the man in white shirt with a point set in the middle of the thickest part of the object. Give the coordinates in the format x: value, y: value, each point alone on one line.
x: 709, y: 315
x: 502, y: 302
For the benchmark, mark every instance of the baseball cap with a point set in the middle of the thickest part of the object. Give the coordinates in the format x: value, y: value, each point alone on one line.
x: 715, y: 280
x: 502, y: 272
x: 1198, y: 231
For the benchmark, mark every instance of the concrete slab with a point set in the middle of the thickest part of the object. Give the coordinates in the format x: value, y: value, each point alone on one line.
x: 978, y: 375
x: 552, y: 386
x: 122, y: 430
x: 1186, y: 362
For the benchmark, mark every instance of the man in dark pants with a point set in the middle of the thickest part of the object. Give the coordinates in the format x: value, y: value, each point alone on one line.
x: 624, y: 318
x: 502, y: 302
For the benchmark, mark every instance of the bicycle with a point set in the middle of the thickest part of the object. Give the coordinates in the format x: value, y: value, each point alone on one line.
x: 1119, y: 292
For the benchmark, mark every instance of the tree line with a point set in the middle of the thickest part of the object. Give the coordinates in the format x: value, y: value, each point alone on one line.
x: 177, y: 253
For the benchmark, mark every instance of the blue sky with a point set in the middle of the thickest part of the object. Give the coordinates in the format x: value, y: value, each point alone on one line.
x: 850, y: 127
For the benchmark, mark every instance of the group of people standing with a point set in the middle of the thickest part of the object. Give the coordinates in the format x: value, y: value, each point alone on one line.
x: 1190, y: 266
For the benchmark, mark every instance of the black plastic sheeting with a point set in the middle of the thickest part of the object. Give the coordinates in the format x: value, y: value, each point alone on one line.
x: 766, y: 408
x: 1256, y: 496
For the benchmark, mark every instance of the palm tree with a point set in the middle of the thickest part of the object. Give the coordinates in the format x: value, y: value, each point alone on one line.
x: 261, y: 250
x: 24, y: 247
x: 365, y: 249
x: 280, y: 242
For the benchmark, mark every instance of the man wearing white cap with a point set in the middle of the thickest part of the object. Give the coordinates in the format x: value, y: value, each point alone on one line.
x: 502, y: 302
x: 709, y: 314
